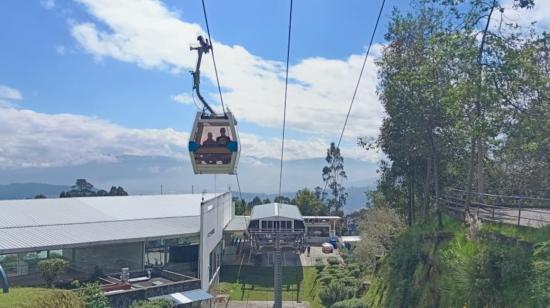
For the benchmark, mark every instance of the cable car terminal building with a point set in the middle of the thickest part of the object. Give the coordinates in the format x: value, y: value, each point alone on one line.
x: 141, y: 247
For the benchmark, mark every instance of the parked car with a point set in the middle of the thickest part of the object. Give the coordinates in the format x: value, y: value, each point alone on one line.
x: 327, y: 248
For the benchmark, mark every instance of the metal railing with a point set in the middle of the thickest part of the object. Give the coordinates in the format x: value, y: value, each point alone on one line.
x: 518, y: 210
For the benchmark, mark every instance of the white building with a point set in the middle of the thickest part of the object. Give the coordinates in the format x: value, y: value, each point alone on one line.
x: 171, y: 244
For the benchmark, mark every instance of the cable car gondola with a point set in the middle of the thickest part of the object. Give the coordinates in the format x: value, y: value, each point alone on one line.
x: 214, y: 141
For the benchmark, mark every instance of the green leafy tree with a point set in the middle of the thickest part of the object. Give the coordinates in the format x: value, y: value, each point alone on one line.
x: 51, y: 268
x: 308, y: 203
x: 333, y: 176
x: 92, y: 296
x: 255, y: 201
x: 157, y: 303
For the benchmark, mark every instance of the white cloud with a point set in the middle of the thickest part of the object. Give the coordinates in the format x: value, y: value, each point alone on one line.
x: 47, y: 4
x: 33, y: 139
x: 8, y: 96
x: 60, y: 50
x: 539, y: 14
x: 148, y: 34
x: 183, y: 98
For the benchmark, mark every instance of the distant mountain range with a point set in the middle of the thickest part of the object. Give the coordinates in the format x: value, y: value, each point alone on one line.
x: 29, y: 190
x: 356, y: 195
x: 147, y: 175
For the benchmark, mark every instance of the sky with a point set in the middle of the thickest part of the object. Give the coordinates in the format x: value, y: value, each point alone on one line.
x: 89, y: 81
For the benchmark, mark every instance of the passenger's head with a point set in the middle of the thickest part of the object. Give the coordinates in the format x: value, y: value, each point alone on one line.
x: 210, y: 136
x: 222, y: 131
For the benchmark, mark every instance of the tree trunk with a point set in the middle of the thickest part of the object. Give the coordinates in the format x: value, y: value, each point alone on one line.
x: 427, y: 182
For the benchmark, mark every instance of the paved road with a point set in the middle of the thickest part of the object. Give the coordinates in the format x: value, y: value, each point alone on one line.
x: 530, y: 217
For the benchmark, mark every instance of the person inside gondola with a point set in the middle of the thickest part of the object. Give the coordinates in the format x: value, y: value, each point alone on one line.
x: 223, y: 139
x: 209, y: 142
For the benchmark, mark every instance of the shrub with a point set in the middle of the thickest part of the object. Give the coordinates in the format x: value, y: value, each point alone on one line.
x: 350, y: 303
x: 92, y: 296
x: 541, y: 272
x: 336, y: 291
x: 333, y: 260
x: 58, y: 299
x: 157, y: 303
x: 51, y: 268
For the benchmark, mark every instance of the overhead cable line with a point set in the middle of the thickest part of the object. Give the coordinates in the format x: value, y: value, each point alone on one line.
x: 213, y: 58
x: 286, y: 95
x: 357, y: 84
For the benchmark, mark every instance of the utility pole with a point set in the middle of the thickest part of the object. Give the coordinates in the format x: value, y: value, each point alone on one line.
x: 277, y: 266
x: 161, y: 192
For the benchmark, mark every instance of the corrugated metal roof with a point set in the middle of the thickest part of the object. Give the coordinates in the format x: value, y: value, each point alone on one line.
x: 56, y: 223
x: 238, y: 223
x: 269, y: 210
x: 33, y: 212
x: 64, y: 236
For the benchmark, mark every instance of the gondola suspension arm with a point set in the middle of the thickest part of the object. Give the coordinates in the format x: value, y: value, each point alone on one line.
x: 202, y: 49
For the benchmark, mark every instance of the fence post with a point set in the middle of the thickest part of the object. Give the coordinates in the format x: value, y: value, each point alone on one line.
x: 493, y: 213
x: 519, y: 215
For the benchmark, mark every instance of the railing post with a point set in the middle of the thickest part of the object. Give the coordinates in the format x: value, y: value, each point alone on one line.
x: 4, y: 279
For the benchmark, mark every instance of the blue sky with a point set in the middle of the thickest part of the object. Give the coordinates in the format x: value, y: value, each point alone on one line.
x: 126, y: 94
x: 91, y: 80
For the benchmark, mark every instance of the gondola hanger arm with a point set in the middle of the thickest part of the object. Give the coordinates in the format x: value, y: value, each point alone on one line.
x: 202, y: 49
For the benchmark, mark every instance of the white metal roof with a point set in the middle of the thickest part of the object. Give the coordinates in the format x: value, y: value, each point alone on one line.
x: 57, y: 223
x: 186, y: 297
x: 350, y: 238
x: 237, y: 223
x: 272, y: 210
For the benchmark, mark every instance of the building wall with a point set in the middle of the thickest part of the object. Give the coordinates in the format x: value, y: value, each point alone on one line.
x: 214, y: 218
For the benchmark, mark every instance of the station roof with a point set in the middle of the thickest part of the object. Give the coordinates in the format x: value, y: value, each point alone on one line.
x: 237, y: 224
x: 273, y: 210
x: 39, y: 224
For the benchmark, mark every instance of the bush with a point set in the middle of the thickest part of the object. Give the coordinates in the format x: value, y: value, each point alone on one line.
x: 541, y: 272
x: 92, y: 296
x: 336, y: 291
x: 350, y: 303
x: 157, y: 303
x: 58, y: 299
x: 51, y: 268
x: 333, y: 260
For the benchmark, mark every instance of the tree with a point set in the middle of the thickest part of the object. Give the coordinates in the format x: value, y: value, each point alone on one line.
x: 255, y: 201
x: 241, y: 207
x: 380, y: 226
x: 281, y: 199
x: 51, y: 268
x: 40, y: 196
x: 92, y: 296
x: 308, y: 203
x: 333, y: 176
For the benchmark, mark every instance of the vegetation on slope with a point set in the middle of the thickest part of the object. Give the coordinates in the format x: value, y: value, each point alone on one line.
x: 431, y: 267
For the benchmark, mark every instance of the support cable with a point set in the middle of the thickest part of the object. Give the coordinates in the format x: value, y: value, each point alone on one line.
x: 357, y: 84
x: 286, y: 95
x: 213, y: 58
x: 277, y: 262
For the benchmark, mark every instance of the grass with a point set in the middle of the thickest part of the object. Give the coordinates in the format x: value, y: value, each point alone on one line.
x: 533, y: 235
x: 256, y: 284
x: 18, y: 297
